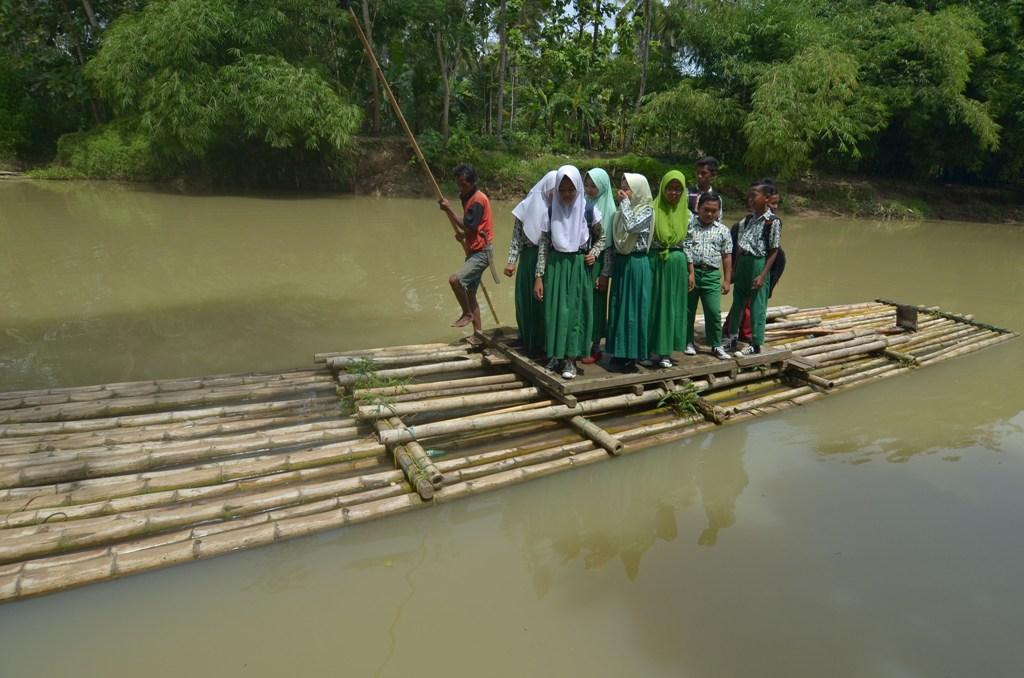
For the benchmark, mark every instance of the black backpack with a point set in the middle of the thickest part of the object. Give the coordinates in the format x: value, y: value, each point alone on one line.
x: 780, y: 260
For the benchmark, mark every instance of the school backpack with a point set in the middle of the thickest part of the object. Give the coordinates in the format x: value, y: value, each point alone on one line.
x: 779, y: 266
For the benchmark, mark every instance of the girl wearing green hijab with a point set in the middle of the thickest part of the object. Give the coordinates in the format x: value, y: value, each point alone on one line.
x: 598, y: 187
x: 629, y: 305
x: 668, y: 269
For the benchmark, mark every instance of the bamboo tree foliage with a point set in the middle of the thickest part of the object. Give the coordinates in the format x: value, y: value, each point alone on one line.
x: 201, y: 74
x: 910, y: 88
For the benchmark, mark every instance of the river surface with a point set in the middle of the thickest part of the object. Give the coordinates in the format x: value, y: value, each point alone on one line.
x: 877, y: 533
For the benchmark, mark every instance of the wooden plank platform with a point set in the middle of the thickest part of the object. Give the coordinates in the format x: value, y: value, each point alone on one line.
x: 598, y: 377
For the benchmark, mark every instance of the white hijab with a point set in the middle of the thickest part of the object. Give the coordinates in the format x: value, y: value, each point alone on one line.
x: 569, y: 231
x: 533, y: 210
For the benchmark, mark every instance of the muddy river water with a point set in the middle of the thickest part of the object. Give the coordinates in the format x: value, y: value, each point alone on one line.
x: 876, y: 533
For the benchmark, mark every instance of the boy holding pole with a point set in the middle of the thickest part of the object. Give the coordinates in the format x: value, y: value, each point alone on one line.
x: 475, y: 230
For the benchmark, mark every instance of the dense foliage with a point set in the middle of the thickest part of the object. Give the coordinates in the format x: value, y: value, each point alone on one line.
x: 275, y: 87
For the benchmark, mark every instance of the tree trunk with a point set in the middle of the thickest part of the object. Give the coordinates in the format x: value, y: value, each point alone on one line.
x: 502, y: 67
x: 645, y: 41
x: 446, y: 85
x: 87, y: 6
x: 374, y: 89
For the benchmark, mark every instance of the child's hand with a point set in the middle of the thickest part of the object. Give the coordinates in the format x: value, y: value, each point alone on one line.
x: 758, y: 281
x: 590, y: 259
x: 460, y: 236
x: 691, y: 283
x: 538, y: 289
x: 443, y: 203
x: 726, y: 286
x: 625, y: 195
x: 602, y: 283
x: 510, y: 270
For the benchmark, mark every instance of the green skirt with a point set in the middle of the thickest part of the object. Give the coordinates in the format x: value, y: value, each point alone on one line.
x: 568, y: 305
x: 600, y: 322
x: 529, y: 311
x: 629, y: 315
x: 668, y: 302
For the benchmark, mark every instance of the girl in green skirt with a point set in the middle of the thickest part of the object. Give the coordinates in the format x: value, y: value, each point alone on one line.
x: 598, y: 187
x: 531, y: 215
x: 561, y: 280
x: 669, y: 270
x: 629, y: 306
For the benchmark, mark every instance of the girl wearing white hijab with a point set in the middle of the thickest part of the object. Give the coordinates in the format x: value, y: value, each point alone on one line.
x: 561, y: 279
x: 630, y: 303
x: 531, y: 218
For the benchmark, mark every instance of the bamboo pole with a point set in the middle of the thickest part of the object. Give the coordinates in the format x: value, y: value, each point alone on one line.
x: 597, y: 435
x: 499, y: 380
x: 176, y: 416
x: 475, y: 363
x: 377, y: 362
x: 385, y: 409
x: 385, y: 350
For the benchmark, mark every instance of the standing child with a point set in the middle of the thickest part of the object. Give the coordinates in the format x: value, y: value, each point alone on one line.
x: 668, y: 269
x: 475, y: 230
x: 598, y: 187
x: 709, y: 252
x: 531, y: 218
x: 561, y: 280
x: 630, y: 303
x: 759, y: 236
x: 707, y: 171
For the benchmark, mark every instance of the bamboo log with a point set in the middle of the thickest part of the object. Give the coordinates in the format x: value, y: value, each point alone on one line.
x: 168, y: 385
x: 92, y: 489
x: 385, y: 350
x: 598, y: 435
x: 787, y: 394
x: 793, y: 324
x: 379, y: 410
x: 386, y: 361
x: 498, y: 420
x: 498, y: 380
x: 476, y: 362
x: 277, y: 406
x: 824, y: 358
x: 465, y: 390
x: 168, y: 432
x: 125, y: 406
x: 160, y: 453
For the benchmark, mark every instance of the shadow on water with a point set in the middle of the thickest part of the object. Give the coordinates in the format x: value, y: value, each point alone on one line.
x: 625, y: 507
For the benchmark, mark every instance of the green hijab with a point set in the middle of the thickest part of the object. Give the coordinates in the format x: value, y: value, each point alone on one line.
x: 605, y: 200
x: 670, y: 221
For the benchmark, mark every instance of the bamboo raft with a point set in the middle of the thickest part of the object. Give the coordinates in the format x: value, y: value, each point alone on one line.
x: 99, y: 482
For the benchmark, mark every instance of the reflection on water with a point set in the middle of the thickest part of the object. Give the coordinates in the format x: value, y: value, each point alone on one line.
x: 788, y: 546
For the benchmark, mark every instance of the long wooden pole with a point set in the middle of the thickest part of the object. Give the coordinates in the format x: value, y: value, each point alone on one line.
x: 408, y: 132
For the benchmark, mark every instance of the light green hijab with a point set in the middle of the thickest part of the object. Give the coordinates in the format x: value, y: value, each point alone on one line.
x: 624, y: 241
x: 670, y: 221
x: 605, y: 200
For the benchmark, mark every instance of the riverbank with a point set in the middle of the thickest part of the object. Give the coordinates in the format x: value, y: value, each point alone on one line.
x: 386, y: 167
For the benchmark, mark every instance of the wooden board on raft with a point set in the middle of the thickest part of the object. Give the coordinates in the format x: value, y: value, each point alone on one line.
x: 598, y: 377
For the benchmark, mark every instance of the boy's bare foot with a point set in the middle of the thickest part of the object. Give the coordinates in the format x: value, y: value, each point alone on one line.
x: 463, y: 320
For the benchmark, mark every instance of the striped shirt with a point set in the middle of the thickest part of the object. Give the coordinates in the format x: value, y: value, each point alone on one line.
x: 752, y: 238
x: 706, y: 245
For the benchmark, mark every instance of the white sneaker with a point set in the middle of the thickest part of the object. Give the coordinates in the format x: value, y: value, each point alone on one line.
x: 690, y: 349
x: 748, y: 350
x: 720, y: 353
x: 569, y: 369
x: 665, y: 362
